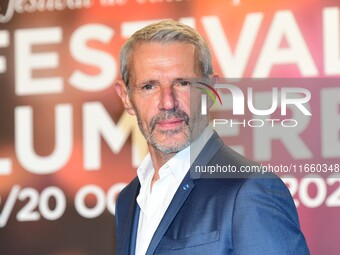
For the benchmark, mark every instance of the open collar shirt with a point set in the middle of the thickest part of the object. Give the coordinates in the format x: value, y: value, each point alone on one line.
x: 154, y: 202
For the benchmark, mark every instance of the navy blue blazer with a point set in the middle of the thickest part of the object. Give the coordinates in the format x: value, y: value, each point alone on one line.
x: 239, y: 216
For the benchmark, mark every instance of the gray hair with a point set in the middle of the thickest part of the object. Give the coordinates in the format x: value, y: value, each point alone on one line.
x: 167, y: 31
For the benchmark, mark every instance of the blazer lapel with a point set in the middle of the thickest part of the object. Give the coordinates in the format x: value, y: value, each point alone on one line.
x: 131, y: 214
x: 181, y: 194
x: 134, y: 229
x: 184, y: 189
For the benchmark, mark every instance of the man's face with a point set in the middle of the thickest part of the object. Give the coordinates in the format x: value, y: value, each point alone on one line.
x: 161, y: 92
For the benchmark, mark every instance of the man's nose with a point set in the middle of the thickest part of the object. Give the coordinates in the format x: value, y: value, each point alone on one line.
x: 168, y: 99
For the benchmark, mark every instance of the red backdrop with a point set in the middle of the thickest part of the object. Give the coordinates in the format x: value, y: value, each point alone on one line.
x: 67, y: 148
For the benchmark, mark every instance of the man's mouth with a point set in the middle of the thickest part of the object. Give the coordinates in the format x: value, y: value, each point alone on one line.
x: 170, y: 120
x: 172, y: 123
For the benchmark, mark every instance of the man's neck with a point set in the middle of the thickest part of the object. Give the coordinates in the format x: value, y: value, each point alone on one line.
x: 158, y: 159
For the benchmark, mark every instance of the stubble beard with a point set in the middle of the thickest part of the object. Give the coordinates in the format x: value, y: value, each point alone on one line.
x: 170, y: 146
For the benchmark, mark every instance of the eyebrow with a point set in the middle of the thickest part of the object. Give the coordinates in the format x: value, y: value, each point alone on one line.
x: 172, y: 82
x: 148, y: 82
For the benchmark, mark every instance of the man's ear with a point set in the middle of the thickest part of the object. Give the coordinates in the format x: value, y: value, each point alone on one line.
x: 122, y: 92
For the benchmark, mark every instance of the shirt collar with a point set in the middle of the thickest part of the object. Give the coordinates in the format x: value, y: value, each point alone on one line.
x: 145, y: 169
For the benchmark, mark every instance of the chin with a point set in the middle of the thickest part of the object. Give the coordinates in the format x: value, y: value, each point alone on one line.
x: 174, y: 146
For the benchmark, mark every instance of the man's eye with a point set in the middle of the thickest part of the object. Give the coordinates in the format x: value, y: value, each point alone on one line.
x: 147, y: 87
x: 184, y: 83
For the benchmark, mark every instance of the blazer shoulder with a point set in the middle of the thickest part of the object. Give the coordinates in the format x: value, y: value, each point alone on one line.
x: 265, y: 206
x: 228, y: 154
x: 226, y: 163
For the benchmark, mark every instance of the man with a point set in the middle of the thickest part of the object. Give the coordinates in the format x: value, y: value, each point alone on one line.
x: 164, y: 210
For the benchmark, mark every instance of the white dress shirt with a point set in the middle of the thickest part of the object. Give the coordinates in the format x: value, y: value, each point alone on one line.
x: 154, y: 203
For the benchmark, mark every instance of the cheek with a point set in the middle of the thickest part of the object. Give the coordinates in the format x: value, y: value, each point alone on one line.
x: 192, y: 104
x: 185, y: 102
x: 145, y: 116
x: 147, y: 107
